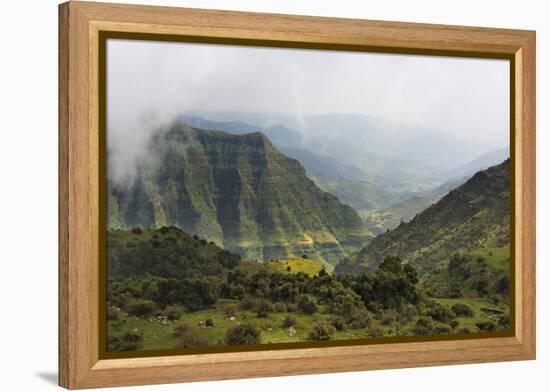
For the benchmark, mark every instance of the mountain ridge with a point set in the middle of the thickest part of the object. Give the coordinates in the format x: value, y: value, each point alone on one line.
x: 238, y: 191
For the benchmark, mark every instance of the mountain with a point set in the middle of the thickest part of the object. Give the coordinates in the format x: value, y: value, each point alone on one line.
x: 238, y: 191
x: 475, y: 215
x: 389, y: 217
x: 387, y: 150
x: 346, y: 181
x: 481, y: 163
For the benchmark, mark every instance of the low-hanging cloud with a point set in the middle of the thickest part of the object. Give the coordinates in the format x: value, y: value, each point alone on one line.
x: 150, y: 83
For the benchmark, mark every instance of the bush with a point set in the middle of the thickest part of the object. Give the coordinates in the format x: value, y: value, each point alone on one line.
x: 228, y: 259
x: 137, y: 231
x: 112, y: 313
x: 190, y: 337
x: 359, y: 319
x: 129, y: 341
x: 244, y: 334
x: 442, y: 329
x: 453, y: 324
x: 172, y: 312
x: 289, y: 321
x: 338, y: 323
x: 140, y: 308
x: 204, y: 242
x: 322, y: 331
x: 387, y: 317
x: 460, y: 309
x: 291, y: 307
x: 279, y: 307
x: 229, y: 311
x: 376, y: 332
x: 307, y: 306
x: 438, y: 312
x: 247, y: 303
x: 209, y: 322
x: 423, y: 326
x: 263, y: 307
x: 486, y: 326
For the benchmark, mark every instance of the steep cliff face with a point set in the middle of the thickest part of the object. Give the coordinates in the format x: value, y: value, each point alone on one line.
x: 238, y: 191
x: 473, y: 216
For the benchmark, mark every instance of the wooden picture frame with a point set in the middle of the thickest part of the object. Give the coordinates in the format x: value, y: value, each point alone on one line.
x: 81, y: 165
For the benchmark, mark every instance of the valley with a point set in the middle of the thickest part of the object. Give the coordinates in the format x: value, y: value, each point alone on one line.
x: 234, y: 233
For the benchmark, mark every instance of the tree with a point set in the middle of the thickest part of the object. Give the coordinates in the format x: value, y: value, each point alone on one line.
x: 307, y: 306
x: 244, y: 334
x: 322, y: 331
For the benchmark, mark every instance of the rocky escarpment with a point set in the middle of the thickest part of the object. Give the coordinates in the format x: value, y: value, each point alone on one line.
x: 238, y: 191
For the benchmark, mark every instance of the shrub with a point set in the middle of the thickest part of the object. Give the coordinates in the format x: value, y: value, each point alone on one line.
x: 247, y: 303
x: 244, y: 334
x: 387, y: 318
x: 229, y: 311
x: 322, y: 331
x: 307, y: 306
x: 190, y: 337
x: 204, y: 242
x: 117, y: 344
x: 338, y: 323
x: 172, y: 312
x: 460, y: 309
x: 289, y: 321
x: 134, y: 335
x: 453, y: 324
x: 263, y: 307
x: 112, y: 313
x: 291, y: 307
x: 359, y: 319
x: 442, y: 329
x: 209, y: 322
x: 423, y: 326
x: 164, y: 230
x: 137, y: 231
x: 140, y: 308
x: 486, y: 326
x: 440, y: 313
x: 376, y: 332
x: 228, y: 259
x: 504, y: 322
x: 279, y: 307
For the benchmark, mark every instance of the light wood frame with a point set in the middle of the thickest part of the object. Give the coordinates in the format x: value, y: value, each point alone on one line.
x: 80, y: 365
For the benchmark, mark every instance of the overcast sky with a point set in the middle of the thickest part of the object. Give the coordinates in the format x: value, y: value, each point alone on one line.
x: 156, y: 80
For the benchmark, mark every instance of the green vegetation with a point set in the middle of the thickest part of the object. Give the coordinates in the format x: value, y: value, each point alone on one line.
x: 238, y: 191
x: 224, y: 300
x: 474, y: 215
x: 300, y: 265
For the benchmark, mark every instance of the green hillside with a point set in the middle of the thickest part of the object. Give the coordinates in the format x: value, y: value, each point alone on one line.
x: 238, y: 191
x: 476, y: 215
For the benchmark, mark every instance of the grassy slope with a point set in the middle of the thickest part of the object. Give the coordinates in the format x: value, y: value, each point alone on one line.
x: 161, y: 336
x: 309, y: 266
x: 474, y: 215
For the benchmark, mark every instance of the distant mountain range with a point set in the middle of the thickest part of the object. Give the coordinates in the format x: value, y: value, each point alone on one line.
x: 474, y: 215
x: 239, y: 191
x: 336, y: 151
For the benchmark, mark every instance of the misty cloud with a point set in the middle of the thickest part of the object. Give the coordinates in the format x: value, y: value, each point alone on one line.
x: 149, y: 83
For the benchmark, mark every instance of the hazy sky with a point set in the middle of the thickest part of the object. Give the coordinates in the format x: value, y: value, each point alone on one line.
x: 468, y: 98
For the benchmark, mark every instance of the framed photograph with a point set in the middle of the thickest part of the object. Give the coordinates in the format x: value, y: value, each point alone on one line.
x: 246, y: 195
